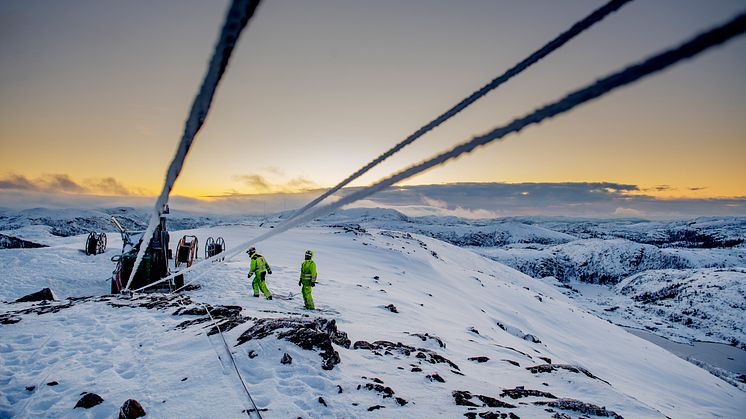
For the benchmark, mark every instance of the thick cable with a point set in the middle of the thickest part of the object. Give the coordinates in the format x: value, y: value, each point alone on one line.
x: 238, y: 16
x: 233, y: 361
x: 705, y: 40
x: 537, y: 55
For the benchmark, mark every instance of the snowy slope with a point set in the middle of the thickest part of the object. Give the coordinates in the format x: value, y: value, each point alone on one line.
x: 475, y: 306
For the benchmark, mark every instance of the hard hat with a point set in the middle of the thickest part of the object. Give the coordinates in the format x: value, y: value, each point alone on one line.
x: 251, y: 251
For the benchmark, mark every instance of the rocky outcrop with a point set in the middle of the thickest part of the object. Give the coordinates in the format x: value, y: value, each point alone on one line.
x: 88, y: 401
x: 10, y: 242
x: 308, y: 334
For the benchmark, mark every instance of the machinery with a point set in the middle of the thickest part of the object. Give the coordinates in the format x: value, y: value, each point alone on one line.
x: 186, y: 251
x: 154, y: 265
x: 95, y: 244
x: 214, y: 247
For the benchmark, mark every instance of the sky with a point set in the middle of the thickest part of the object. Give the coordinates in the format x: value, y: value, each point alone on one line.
x: 94, y: 94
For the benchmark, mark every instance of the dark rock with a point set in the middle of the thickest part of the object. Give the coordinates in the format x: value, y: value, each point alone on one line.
x: 52, y: 383
x: 89, y: 400
x: 479, y: 359
x: 416, y: 369
x: 252, y: 354
x: 435, y: 377
x: 493, y: 402
x: 386, y: 391
x: 377, y: 380
x: 473, y: 330
x: 184, y: 379
x: 339, y: 391
x: 322, y: 401
x: 391, y: 308
x: 462, y: 398
x: 421, y: 353
x: 30, y: 388
x: 427, y: 336
x: 45, y: 294
x: 376, y: 407
x: 580, y: 407
x: 561, y: 416
x: 307, y: 333
x: 10, y: 242
x: 131, y: 409
x: 401, y: 401
x: 519, y: 392
x: 376, y: 277
x: 286, y: 359
x: 457, y: 373
x: 545, y: 359
x: 510, y: 361
x: 9, y: 319
x: 538, y: 369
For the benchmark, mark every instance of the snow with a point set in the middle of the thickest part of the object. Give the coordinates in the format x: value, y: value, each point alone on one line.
x: 438, y: 288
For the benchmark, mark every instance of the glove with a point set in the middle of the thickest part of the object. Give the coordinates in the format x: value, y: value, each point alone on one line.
x: 269, y: 271
x: 313, y: 284
x: 300, y: 283
x: 249, y: 275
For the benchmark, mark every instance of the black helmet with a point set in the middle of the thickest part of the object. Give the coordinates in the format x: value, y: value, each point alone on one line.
x: 309, y: 254
x: 251, y: 251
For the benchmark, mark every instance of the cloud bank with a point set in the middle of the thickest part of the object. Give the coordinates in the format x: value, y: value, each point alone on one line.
x: 466, y: 200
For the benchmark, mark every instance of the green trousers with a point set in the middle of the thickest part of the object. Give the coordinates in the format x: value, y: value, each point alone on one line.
x: 307, y: 297
x: 259, y: 284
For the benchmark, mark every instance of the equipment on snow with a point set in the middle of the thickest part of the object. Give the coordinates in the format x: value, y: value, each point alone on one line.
x: 154, y: 264
x: 214, y: 247
x: 186, y: 251
x: 95, y: 244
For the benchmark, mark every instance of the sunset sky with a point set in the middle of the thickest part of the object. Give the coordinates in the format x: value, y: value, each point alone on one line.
x: 93, y: 96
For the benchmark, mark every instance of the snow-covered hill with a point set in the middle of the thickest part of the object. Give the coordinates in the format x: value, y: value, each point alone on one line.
x: 435, y: 331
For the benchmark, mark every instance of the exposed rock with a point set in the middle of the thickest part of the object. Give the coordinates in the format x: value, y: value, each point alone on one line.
x: 10, y: 242
x: 491, y: 415
x: 510, y: 361
x: 391, y: 308
x: 339, y: 389
x: 89, y: 400
x: 427, y: 336
x: 538, y: 369
x: 45, y: 294
x: 580, y: 407
x: 286, y: 359
x: 322, y: 401
x: 422, y: 353
x: 472, y: 329
x: 131, y: 409
x: 52, y: 383
x: 463, y: 398
x: 376, y: 407
x: 479, y: 359
x: 519, y: 392
x: 435, y: 377
x: 306, y: 333
x: 401, y: 401
x: 30, y: 388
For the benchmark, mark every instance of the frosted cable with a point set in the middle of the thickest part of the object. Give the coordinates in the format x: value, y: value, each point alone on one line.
x: 542, y: 52
x: 238, y: 16
x: 654, y: 64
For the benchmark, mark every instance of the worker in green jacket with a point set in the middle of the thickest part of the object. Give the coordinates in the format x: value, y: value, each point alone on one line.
x: 259, y: 268
x: 308, y: 279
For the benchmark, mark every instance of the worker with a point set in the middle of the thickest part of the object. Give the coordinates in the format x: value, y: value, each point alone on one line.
x: 259, y: 268
x: 308, y: 279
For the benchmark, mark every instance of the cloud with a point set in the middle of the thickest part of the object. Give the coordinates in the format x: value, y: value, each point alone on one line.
x: 62, y: 183
x: 628, y: 212
x: 17, y: 182
x: 108, y: 186
x: 258, y: 184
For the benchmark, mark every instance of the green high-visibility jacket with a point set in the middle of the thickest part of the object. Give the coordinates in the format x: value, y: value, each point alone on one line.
x: 258, y: 264
x: 308, y: 272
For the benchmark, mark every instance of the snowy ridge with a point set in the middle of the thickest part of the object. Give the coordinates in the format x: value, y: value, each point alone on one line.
x: 482, y: 313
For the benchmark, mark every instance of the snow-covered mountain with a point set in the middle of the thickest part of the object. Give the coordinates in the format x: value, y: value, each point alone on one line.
x: 435, y: 331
